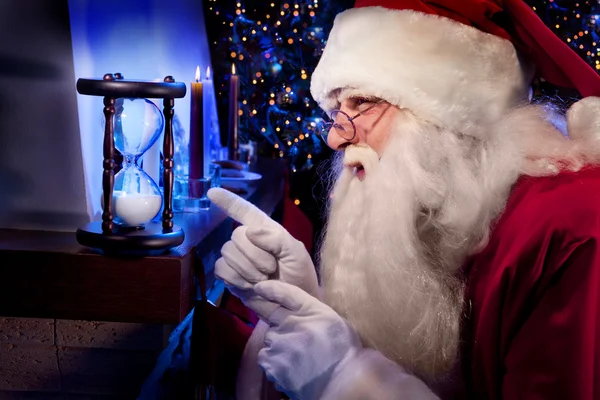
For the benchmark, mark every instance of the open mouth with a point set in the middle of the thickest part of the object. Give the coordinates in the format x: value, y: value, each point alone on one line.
x: 359, y: 159
x: 359, y: 170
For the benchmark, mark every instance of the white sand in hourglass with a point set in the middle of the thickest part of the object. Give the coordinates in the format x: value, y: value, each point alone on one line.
x: 135, y: 209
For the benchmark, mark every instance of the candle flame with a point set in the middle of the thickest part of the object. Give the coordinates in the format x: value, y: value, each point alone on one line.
x: 232, y: 69
x: 207, y: 72
x: 198, y: 73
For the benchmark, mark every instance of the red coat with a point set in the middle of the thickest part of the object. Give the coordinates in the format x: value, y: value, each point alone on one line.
x: 532, y: 330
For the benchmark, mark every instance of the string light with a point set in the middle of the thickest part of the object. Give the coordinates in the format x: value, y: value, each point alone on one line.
x: 575, y: 23
x: 279, y: 48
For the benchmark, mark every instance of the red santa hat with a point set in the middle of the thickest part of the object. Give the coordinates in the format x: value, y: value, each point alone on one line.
x: 461, y: 64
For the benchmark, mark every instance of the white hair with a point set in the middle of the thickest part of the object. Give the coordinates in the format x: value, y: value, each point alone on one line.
x: 548, y: 146
x: 394, y: 243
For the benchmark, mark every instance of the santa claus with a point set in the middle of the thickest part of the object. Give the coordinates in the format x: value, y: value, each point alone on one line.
x: 461, y: 254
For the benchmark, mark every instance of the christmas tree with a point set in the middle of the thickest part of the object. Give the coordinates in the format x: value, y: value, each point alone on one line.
x: 275, y: 46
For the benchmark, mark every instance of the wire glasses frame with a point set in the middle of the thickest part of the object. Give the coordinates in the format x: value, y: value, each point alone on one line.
x: 346, y: 128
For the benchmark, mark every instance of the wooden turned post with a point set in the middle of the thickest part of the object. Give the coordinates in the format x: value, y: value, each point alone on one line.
x: 168, y: 163
x: 108, y: 175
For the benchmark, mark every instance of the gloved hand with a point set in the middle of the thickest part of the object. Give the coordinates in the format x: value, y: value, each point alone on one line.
x: 259, y: 250
x: 311, y: 352
x: 306, y: 343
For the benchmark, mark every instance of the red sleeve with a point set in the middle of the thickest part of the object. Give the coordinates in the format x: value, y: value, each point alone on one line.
x: 555, y: 354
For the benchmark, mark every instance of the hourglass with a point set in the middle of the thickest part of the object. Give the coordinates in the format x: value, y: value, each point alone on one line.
x: 138, y: 123
x: 131, y: 200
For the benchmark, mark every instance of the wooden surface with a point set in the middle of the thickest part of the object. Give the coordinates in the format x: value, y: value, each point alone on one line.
x: 112, y: 86
x: 49, y: 275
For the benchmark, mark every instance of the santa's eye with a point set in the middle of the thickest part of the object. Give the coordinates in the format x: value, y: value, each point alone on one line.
x: 362, y: 100
x: 358, y: 103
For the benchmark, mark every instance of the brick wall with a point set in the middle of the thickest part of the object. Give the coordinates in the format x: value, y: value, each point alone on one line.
x: 75, y: 360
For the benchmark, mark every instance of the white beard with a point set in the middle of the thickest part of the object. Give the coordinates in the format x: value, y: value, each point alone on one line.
x: 395, y: 242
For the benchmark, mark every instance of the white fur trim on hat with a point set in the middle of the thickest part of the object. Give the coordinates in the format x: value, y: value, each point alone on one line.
x: 445, y: 72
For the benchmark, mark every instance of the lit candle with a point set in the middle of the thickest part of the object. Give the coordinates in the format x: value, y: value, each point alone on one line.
x: 208, y: 116
x: 196, y: 147
x: 232, y: 143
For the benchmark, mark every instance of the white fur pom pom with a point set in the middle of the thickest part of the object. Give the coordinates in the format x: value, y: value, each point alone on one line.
x: 583, y: 119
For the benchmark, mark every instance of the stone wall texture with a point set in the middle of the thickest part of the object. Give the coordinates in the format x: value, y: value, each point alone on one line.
x: 76, y: 360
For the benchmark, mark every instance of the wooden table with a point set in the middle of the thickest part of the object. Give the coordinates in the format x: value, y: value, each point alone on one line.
x: 49, y: 275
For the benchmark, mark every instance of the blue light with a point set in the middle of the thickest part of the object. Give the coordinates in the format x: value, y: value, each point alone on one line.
x: 143, y: 40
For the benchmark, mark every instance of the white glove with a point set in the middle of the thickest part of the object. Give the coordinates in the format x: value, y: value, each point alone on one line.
x: 306, y: 342
x: 312, y: 353
x: 259, y: 250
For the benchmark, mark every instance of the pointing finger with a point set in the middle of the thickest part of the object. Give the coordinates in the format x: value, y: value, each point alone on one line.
x: 239, y: 209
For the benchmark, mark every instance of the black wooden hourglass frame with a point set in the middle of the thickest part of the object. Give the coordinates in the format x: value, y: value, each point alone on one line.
x: 106, y: 234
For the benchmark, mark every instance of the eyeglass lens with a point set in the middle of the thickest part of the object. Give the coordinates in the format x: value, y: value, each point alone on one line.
x: 340, y: 121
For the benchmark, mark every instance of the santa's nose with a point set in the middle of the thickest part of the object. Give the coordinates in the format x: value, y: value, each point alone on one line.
x: 337, y: 142
x: 342, y: 133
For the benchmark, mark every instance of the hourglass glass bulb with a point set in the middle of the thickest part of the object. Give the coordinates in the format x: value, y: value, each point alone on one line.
x: 135, y: 209
x: 136, y: 197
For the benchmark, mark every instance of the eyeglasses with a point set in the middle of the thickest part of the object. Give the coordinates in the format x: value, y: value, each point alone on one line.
x: 345, y: 128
